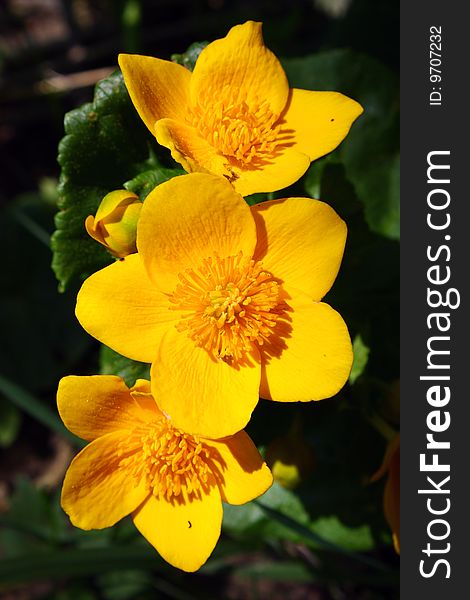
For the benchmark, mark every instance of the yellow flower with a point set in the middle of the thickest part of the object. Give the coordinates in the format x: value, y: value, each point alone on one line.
x: 115, y: 222
x: 235, y: 115
x: 138, y: 463
x: 224, y: 301
x: 391, y: 467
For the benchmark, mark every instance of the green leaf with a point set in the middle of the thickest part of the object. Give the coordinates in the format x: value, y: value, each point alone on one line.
x: 370, y: 151
x: 361, y: 356
x: 188, y: 59
x: 36, y: 409
x: 146, y: 181
x: 288, y: 570
x: 249, y: 521
x: 112, y: 363
x: 33, y: 522
x: 76, y: 562
x: 332, y: 530
x: 10, y: 421
x: 105, y: 145
x: 125, y: 584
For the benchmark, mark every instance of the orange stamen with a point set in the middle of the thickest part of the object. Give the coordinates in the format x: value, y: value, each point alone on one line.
x: 235, y: 127
x: 169, y: 459
x: 228, y: 305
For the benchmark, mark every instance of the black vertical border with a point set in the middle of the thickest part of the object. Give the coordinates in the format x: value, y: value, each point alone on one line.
x: 426, y: 128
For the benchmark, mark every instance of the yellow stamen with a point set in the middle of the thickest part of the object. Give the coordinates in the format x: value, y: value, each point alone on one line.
x: 228, y: 305
x: 235, y: 127
x: 168, y: 459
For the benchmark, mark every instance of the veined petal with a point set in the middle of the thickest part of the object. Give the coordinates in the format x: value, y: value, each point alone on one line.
x: 189, y: 219
x: 300, y: 241
x: 318, y: 357
x: 243, y: 474
x: 276, y: 173
x: 97, y: 492
x: 241, y: 63
x: 320, y: 120
x: 188, y: 148
x: 120, y: 307
x: 202, y: 395
x: 158, y: 88
x: 185, y: 532
x: 94, y: 406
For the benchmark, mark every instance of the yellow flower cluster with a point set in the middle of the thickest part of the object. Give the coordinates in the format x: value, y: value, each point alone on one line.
x: 222, y: 299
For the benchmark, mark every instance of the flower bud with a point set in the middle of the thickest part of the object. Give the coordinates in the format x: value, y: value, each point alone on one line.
x: 290, y: 458
x: 115, y: 222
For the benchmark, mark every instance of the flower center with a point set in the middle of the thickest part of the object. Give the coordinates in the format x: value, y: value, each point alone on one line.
x: 228, y: 305
x: 237, y: 129
x: 169, y: 459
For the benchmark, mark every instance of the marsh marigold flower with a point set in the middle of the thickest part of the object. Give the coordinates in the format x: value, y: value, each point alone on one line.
x: 138, y: 463
x: 224, y: 301
x: 235, y: 115
x: 115, y: 223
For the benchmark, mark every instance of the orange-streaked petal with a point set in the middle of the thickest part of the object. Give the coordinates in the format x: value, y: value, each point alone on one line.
x: 185, y: 532
x: 318, y: 357
x: 188, y: 148
x: 188, y: 219
x: 202, y: 395
x: 94, y: 406
x: 276, y: 173
x: 300, y: 241
x: 241, y: 63
x: 97, y: 492
x: 158, y: 88
x: 243, y: 474
x: 121, y: 308
x: 319, y: 120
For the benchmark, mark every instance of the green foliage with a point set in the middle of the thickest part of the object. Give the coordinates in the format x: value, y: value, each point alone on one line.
x: 105, y: 146
x: 41, y: 338
x: 10, y: 421
x: 370, y: 153
x: 145, y: 182
x: 188, y: 59
x: 251, y: 522
x: 112, y: 363
x: 361, y: 355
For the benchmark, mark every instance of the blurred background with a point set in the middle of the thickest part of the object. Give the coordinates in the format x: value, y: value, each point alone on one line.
x: 321, y: 533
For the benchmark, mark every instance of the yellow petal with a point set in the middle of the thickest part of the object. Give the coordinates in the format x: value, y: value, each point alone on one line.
x: 120, y: 307
x: 185, y: 532
x: 193, y: 152
x: 275, y: 173
x: 97, y: 492
x: 317, y: 360
x: 188, y: 219
x: 242, y: 473
x: 319, y: 120
x: 93, y: 406
x: 300, y: 241
x: 158, y: 88
x: 202, y: 395
x: 242, y: 66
